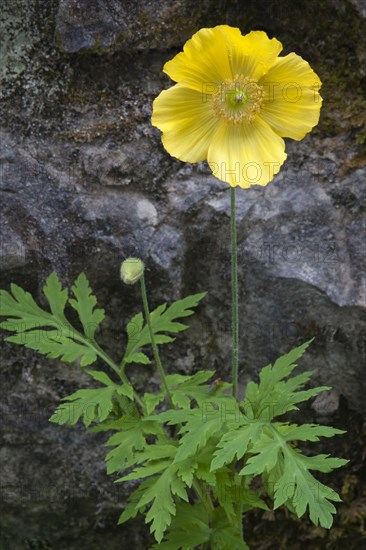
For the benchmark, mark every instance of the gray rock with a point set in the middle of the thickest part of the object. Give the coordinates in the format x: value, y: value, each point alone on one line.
x: 361, y: 6
x: 326, y: 403
x: 100, y: 25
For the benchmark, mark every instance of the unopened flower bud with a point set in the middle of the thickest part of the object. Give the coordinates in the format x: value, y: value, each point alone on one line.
x: 131, y: 270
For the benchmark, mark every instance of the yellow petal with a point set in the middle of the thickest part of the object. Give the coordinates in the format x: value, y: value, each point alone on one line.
x: 246, y: 154
x: 204, y: 62
x: 253, y: 54
x: 292, y: 103
x: 186, y: 119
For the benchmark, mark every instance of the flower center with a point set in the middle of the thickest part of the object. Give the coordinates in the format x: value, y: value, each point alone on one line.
x: 238, y: 100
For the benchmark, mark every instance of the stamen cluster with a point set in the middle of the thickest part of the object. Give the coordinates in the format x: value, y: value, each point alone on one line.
x: 239, y: 100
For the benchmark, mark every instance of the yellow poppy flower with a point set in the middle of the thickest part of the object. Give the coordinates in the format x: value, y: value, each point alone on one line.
x: 234, y: 101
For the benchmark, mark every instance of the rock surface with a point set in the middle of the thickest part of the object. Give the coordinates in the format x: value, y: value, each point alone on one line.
x: 85, y: 183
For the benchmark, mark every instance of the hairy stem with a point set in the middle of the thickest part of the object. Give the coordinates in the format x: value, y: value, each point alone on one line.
x: 240, y: 518
x: 235, y: 318
x: 153, y: 343
x: 203, y: 495
x: 98, y: 350
x: 121, y: 374
x: 234, y: 297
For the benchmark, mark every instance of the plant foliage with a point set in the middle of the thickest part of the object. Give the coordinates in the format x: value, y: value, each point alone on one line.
x: 194, y: 464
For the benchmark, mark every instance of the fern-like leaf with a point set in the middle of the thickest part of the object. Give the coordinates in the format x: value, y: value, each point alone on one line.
x: 274, y: 396
x: 49, y: 332
x: 163, y: 320
x: 288, y: 472
x: 84, y: 303
x: 189, y: 528
x: 160, y: 492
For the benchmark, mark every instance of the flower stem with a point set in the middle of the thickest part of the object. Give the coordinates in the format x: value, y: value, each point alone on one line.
x: 235, y: 320
x: 203, y: 495
x: 153, y: 343
x: 121, y: 374
x: 234, y: 296
x: 240, y: 519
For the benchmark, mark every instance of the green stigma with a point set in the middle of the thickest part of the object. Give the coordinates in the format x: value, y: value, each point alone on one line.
x: 238, y: 98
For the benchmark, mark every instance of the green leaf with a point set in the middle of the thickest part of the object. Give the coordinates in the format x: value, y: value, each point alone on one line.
x: 138, y: 357
x: 126, y: 444
x: 235, y: 443
x: 322, y: 463
x: 226, y: 491
x: 131, y: 510
x: 134, y: 329
x: 306, y: 432
x: 159, y: 495
x: 23, y: 312
x: 274, y: 396
x: 225, y: 536
x: 47, y: 332
x: 84, y: 303
x: 189, y: 528
x: 267, y: 448
x: 56, y: 297
x: 130, y: 438
x: 152, y: 400
x: 303, y: 490
x: 203, y: 459
x: 288, y: 471
x: 156, y: 458
x: 55, y: 344
x: 200, y: 424
x: 184, y: 389
x: 163, y: 506
x: 186, y: 469
x: 101, y: 377
x: 251, y: 500
x: 92, y: 405
x: 265, y: 455
x: 130, y: 416
x: 163, y: 320
x: 126, y: 390
x: 228, y: 538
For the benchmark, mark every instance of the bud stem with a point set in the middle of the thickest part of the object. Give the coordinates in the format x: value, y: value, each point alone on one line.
x: 153, y: 343
x: 234, y: 297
